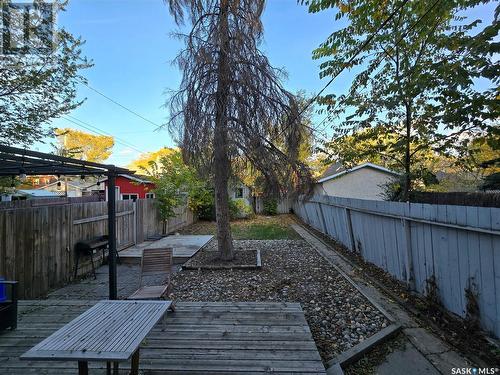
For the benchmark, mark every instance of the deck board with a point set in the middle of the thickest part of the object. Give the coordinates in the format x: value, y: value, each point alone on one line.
x: 184, y: 247
x: 199, y: 338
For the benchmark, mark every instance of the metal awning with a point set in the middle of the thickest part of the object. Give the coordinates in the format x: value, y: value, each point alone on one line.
x: 17, y: 161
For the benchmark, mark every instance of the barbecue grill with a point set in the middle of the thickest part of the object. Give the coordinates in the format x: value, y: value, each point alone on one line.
x: 88, y: 247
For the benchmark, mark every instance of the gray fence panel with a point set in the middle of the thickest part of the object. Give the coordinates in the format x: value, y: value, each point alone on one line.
x: 495, y: 225
x: 456, y: 246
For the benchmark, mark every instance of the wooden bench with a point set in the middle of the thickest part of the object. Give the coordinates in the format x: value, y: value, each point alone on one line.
x: 109, y: 331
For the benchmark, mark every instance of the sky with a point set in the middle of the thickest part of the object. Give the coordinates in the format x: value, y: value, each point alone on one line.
x: 132, y: 50
x: 130, y: 44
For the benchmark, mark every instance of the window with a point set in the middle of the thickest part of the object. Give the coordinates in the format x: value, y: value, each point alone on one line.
x: 238, y: 193
x: 127, y: 197
x: 150, y: 195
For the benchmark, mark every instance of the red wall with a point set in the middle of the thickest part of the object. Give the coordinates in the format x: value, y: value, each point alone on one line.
x: 132, y: 187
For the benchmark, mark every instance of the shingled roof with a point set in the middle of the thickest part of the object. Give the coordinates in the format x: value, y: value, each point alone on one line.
x: 337, y: 170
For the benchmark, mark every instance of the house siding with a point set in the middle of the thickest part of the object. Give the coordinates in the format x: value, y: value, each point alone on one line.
x: 127, y: 186
x: 247, y: 193
x: 364, y: 183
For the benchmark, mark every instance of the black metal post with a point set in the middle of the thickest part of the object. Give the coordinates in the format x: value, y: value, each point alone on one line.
x: 112, y: 234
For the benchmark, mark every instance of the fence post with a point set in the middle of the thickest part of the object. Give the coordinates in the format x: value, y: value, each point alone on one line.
x: 325, y: 230
x: 134, y: 207
x: 307, y: 215
x: 71, y: 241
x: 410, y: 277
x: 349, y: 229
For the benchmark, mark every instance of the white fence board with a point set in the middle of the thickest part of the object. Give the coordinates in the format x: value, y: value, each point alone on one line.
x: 458, y: 246
x: 284, y: 205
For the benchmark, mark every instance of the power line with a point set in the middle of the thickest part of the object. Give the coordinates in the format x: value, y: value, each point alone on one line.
x: 99, y: 131
x: 410, y: 28
x: 346, y: 64
x: 361, y: 48
x: 157, y: 126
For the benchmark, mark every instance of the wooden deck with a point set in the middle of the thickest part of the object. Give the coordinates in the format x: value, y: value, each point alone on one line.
x: 184, y: 247
x: 200, y: 338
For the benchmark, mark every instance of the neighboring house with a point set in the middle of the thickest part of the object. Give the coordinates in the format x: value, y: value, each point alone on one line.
x: 24, y: 194
x: 73, y: 188
x: 365, y: 181
x: 130, y: 187
x: 40, y: 180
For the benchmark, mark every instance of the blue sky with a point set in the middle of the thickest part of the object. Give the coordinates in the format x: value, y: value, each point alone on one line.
x: 130, y: 44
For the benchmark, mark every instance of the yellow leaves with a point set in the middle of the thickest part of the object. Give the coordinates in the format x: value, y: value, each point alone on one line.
x: 80, y: 145
x: 144, y: 162
x: 344, y: 7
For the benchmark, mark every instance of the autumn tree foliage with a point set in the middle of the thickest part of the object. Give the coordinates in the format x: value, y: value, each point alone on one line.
x: 37, y: 86
x: 416, y: 81
x: 81, y: 145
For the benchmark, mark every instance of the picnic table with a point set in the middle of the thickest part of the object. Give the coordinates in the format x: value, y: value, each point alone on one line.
x: 109, y: 331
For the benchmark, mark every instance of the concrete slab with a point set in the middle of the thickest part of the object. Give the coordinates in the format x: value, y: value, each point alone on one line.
x: 446, y: 361
x: 184, y: 247
x: 427, y: 342
x: 408, y: 361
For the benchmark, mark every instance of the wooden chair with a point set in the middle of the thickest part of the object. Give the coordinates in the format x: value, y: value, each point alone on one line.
x: 154, y: 262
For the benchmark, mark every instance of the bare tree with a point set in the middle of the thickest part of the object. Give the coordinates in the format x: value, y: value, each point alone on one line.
x: 231, y: 103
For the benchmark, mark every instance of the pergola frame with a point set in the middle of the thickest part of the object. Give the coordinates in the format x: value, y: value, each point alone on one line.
x: 17, y: 161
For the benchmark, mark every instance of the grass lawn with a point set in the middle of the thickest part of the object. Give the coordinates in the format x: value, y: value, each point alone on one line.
x: 257, y: 228
x: 254, y: 231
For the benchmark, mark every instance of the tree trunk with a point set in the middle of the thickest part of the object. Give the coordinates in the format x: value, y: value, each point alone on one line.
x: 407, y: 183
x: 221, y: 158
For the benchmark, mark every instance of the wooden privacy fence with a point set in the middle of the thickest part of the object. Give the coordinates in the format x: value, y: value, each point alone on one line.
x: 149, y: 222
x: 47, y: 202
x: 284, y: 205
x: 455, y: 248
x: 37, y: 243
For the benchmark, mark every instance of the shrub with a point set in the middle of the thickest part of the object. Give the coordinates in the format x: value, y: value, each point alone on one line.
x: 239, y: 209
x: 202, y: 202
x: 270, y: 206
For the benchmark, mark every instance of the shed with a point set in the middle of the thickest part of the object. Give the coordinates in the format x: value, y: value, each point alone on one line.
x: 132, y: 187
x: 364, y: 181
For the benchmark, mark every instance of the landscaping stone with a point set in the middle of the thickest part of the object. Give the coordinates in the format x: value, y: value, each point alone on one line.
x: 210, y: 259
x: 338, y: 315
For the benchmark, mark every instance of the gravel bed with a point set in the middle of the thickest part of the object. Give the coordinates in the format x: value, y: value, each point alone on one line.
x: 292, y: 271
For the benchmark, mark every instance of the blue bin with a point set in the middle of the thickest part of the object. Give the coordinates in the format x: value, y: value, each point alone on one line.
x: 3, y: 293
